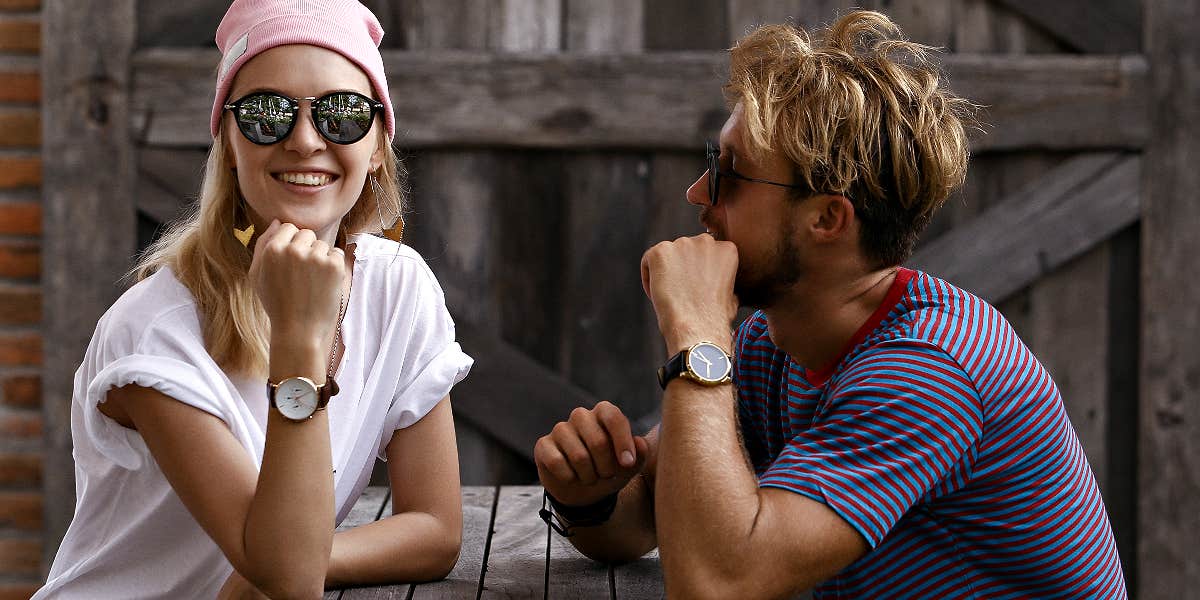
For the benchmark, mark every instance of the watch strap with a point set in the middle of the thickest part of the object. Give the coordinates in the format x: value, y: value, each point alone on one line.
x: 672, y: 369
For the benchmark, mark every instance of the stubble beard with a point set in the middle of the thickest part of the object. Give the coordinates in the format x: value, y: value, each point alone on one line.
x: 763, y: 288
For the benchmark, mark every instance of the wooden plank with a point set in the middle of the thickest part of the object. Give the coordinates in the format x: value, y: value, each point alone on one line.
x: 168, y: 180
x: 516, y: 566
x: 499, y: 398
x: 686, y: 25
x: 1044, y: 225
x: 1069, y: 336
x: 1169, y: 454
x: 605, y: 27
x: 640, y: 579
x: 988, y: 27
x: 86, y: 81
x: 463, y: 581
x: 368, y: 508
x: 526, y: 25
x: 655, y: 101
x: 604, y: 318
x: 1122, y: 382
x: 179, y: 24
x: 930, y: 22
x: 1097, y: 26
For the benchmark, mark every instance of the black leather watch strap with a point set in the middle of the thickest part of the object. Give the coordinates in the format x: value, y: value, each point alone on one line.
x: 672, y: 369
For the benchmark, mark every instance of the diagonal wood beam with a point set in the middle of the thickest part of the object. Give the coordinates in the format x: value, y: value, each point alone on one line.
x: 1097, y: 26
x: 1048, y: 222
x: 511, y: 396
x: 667, y: 100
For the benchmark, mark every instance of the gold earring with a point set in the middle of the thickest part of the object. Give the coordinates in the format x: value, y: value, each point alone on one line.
x: 396, y: 231
x: 243, y: 235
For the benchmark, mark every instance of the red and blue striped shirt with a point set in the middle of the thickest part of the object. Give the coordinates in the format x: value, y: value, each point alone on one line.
x: 944, y: 442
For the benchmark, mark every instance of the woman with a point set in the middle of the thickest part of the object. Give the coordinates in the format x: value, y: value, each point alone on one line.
x: 231, y: 404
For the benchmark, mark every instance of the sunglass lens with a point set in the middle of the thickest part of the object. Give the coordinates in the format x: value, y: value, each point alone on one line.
x: 343, y: 118
x: 265, y: 118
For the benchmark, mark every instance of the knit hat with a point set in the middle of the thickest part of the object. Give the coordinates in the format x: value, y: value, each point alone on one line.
x: 251, y: 27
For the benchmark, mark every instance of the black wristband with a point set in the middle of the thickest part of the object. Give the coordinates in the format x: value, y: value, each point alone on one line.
x: 596, y: 513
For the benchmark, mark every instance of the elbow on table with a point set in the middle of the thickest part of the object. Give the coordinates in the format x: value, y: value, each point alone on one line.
x: 443, y: 558
x: 289, y: 588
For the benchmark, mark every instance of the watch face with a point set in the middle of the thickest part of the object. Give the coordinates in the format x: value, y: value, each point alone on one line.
x: 708, y: 362
x: 296, y: 398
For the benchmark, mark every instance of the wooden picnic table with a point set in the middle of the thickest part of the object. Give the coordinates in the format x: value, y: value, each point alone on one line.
x: 509, y: 552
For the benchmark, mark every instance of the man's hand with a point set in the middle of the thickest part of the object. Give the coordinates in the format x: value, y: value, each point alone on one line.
x: 690, y: 282
x: 589, y: 456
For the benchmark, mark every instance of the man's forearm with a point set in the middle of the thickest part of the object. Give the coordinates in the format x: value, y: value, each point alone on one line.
x: 628, y: 534
x: 706, y: 499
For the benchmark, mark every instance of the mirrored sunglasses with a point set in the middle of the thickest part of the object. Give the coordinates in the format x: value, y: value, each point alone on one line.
x: 340, y: 117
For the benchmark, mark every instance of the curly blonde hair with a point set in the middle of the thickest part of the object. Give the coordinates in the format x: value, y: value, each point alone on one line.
x: 859, y: 112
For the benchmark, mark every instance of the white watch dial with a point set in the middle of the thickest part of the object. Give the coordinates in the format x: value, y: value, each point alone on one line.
x: 296, y: 398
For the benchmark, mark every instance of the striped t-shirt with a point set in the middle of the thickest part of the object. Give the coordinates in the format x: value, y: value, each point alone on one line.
x: 944, y: 442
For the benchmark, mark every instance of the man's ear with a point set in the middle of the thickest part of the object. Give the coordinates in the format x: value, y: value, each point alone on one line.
x: 832, y: 217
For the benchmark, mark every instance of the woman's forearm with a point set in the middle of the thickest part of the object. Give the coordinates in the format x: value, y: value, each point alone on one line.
x: 289, y: 526
x: 411, y: 546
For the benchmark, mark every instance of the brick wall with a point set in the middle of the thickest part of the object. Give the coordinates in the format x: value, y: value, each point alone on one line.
x: 20, y: 300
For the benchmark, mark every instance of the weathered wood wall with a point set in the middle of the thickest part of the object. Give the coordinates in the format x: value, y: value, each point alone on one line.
x: 550, y: 142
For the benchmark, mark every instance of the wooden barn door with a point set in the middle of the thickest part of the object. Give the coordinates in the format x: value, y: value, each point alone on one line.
x: 550, y: 142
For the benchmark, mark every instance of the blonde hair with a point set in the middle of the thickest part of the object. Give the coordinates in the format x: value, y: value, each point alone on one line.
x: 206, y: 258
x: 859, y: 112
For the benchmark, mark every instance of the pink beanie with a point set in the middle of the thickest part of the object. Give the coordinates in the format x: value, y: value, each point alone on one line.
x: 251, y: 27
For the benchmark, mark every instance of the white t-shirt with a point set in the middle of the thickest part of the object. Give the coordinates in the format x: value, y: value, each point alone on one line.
x: 131, y: 536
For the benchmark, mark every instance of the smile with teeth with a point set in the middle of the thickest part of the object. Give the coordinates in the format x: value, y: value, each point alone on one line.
x: 312, y: 179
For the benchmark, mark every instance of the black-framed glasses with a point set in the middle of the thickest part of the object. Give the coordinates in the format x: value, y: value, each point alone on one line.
x: 713, y: 154
x: 341, y: 117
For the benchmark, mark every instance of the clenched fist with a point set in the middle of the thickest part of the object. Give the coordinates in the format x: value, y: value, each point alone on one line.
x: 298, y: 279
x: 590, y: 455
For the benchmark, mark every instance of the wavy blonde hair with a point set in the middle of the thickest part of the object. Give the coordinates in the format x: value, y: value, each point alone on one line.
x: 859, y: 112
x: 214, y: 266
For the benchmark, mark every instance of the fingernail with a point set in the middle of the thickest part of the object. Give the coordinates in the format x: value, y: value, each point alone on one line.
x: 627, y: 458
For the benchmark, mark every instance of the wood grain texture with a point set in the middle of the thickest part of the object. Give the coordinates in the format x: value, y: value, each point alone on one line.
x: 602, y: 348
x: 641, y: 579
x: 614, y: 26
x: 1169, y: 505
x: 1097, y: 26
x: 92, y: 181
x: 368, y: 509
x: 1047, y: 223
x: 497, y: 397
x: 1069, y: 335
x: 655, y: 101
x: 517, y: 555
x: 463, y: 581
x: 686, y: 25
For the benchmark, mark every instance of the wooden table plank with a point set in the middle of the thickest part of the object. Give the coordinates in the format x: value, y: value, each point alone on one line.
x: 463, y: 581
x: 367, y: 509
x: 640, y: 579
x: 398, y: 591
x: 517, y: 555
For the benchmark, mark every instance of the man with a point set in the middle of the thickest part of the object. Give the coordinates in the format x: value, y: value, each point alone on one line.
x: 885, y: 434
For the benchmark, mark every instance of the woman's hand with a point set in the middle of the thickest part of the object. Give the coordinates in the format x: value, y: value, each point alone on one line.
x: 298, y: 279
